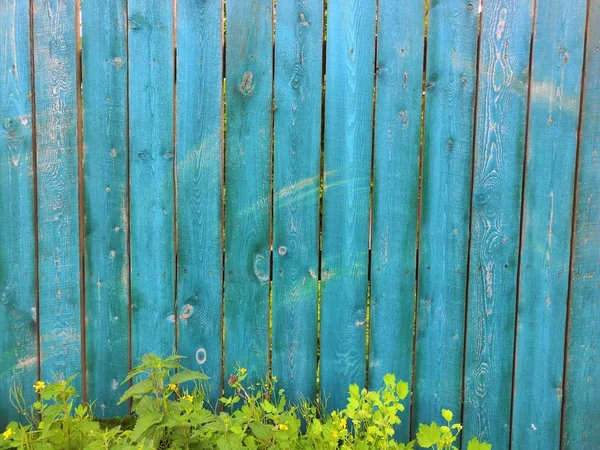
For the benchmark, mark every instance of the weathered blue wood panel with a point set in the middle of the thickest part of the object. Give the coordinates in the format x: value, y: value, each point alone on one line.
x: 18, y: 319
x: 400, y: 46
x: 151, y: 122
x: 347, y: 185
x: 495, y: 225
x: 104, y: 80
x: 581, y: 421
x: 297, y: 147
x: 445, y: 208
x: 55, y: 38
x: 248, y: 186
x: 199, y: 187
x: 547, y: 210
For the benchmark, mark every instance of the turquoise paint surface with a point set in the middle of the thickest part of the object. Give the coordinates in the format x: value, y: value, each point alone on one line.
x: 18, y: 318
x: 445, y: 208
x: 104, y: 72
x: 346, y: 197
x: 151, y: 77
x: 496, y: 221
x: 248, y: 187
x: 399, y: 71
x: 199, y: 188
x: 297, y: 147
x: 546, y: 235
x: 54, y: 40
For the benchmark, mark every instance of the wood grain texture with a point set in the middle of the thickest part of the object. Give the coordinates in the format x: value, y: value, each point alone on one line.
x: 346, y: 185
x: 248, y: 186
x: 400, y: 46
x: 445, y: 208
x: 297, y: 147
x: 581, y: 421
x: 495, y: 226
x: 57, y: 175
x: 104, y: 80
x: 18, y: 319
x: 546, y: 235
x: 199, y: 187
x: 151, y: 103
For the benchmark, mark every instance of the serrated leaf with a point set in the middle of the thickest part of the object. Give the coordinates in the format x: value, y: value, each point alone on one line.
x: 187, y: 375
x: 428, y: 435
x: 139, y: 388
x: 474, y: 444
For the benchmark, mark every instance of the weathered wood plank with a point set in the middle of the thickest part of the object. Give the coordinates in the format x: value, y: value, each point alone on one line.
x: 104, y: 73
x: 151, y: 123
x: 18, y: 322
x: 448, y: 147
x: 347, y: 185
x: 199, y: 187
x: 57, y: 175
x: 400, y: 46
x: 298, y: 90
x: 548, y: 201
x: 248, y: 186
x: 581, y: 429
x: 495, y: 225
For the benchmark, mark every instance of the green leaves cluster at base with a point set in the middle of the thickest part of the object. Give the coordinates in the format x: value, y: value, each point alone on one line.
x: 171, y: 412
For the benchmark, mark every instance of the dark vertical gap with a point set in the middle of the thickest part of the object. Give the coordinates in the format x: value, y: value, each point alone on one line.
x: 321, y: 195
x: 474, y: 146
x: 35, y: 191
x: 175, y: 230
x: 128, y: 194
x: 574, y: 223
x: 371, y: 194
x: 223, y: 180
x: 81, y: 194
x: 522, y: 218
x: 271, y: 193
x: 418, y: 228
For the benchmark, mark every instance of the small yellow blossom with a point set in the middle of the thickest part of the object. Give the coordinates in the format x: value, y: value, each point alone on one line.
x: 335, y: 434
x: 189, y: 398
x: 283, y: 426
x: 39, y: 385
x: 275, y: 379
x: 8, y: 433
x: 243, y: 371
x: 172, y: 386
x: 343, y: 423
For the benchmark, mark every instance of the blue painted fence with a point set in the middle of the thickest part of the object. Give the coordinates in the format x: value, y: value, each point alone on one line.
x: 321, y: 191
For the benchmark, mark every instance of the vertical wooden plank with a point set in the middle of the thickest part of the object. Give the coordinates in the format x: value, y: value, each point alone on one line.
x: 448, y: 147
x: 199, y: 186
x: 57, y: 166
x: 495, y: 226
x: 248, y: 186
x: 298, y: 90
x: 104, y: 80
x: 347, y: 185
x: 548, y: 200
x: 151, y: 103
x: 18, y: 322
x: 581, y: 421
x: 400, y: 46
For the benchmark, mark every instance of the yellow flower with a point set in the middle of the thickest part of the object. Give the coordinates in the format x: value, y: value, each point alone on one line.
x: 38, y: 386
x: 8, y: 433
x: 283, y: 426
x: 343, y: 423
x: 172, y: 386
x: 189, y: 398
x: 275, y: 379
x: 334, y: 434
x: 243, y: 371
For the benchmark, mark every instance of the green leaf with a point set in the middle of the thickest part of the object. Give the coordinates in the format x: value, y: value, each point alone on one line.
x: 474, y: 444
x: 389, y: 379
x: 447, y: 414
x: 354, y: 391
x: 187, y: 375
x: 139, y: 388
x: 402, y: 389
x: 428, y: 435
x: 148, y: 415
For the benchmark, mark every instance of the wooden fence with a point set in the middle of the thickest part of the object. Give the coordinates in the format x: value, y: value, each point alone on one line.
x: 324, y: 192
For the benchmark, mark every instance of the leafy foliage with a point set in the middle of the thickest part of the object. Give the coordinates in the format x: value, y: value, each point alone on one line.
x: 171, y: 412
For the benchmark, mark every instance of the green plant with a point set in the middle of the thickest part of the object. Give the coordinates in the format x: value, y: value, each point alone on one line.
x: 171, y: 412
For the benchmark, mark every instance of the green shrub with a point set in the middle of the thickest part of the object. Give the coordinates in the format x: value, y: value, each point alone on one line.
x: 171, y: 412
